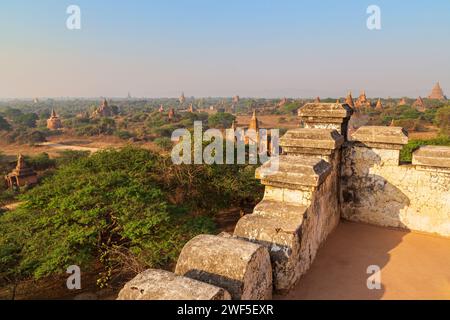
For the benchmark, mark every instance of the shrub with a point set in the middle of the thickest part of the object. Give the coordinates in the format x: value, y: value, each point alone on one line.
x: 68, y: 156
x: 90, y: 210
x: 4, y: 125
x: 41, y: 162
x: 442, y: 120
x: 123, y: 134
x: 164, y: 143
x: 413, y: 145
x: 221, y: 120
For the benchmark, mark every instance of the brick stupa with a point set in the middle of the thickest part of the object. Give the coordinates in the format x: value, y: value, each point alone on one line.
x: 104, y: 110
x: 379, y: 105
x: 419, y: 104
x: 54, y: 122
x: 362, y: 100
x: 21, y: 176
x: 349, y: 100
x: 437, y: 93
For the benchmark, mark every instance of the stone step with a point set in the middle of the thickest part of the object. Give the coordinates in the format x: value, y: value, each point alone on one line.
x: 163, y: 285
x: 294, y: 171
x: 279, y: 209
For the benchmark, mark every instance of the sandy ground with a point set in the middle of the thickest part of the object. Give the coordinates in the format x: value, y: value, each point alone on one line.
x: 413, y: 266
x: 270, y: 121
x: 67, y: 142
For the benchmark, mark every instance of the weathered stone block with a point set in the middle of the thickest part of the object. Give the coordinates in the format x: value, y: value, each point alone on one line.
x: 326, y: 116
x: 432, y: 156
x: 311, y: 141
x: 294, y: 172
x: 381, y: 137
x: 337, y: 111
x: 277, y: 226
x: 163, y: 285
x: 241, y: 267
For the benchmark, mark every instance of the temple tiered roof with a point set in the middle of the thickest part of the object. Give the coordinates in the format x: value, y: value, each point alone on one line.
x: 437, y: 93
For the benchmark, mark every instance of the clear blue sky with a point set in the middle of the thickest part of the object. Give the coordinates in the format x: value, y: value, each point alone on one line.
x: 266, y: 48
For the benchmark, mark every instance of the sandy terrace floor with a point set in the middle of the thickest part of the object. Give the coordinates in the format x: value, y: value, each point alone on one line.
x: 413, y: 265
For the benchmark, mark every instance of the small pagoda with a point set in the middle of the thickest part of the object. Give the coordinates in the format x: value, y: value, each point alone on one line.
x: 21, y: 176
x: 362, y: 101
x: 104, y: 110
x: 419, y: 104
x: 379, y: 105
x: 54, y: 122
x: 349, y: 100
x: 254, y: 127
x: 182, y: 98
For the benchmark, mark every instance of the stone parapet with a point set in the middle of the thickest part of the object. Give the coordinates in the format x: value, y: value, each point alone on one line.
x: 432, y: 157
x: 381, y: 137
x: 385, y: 143
x: 376, y: 189
x: 242, y: 268
x: 278, y: 227
x: 326, y: 116
x: 307, y: 141
x: 292, y: 172
x: 301, y: 204
x: 163, y: 285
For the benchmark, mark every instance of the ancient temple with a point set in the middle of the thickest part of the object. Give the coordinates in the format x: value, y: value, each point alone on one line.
x: 317, y: 100
x: 419, y: 104
x: 349, y: 100
x: 161, y: 109
x: 253, y: 127
x: 191, y: 108
x: 236, y: 99
x: 379, y: 105
x: 437, y: 93
x: 54, y: 122
x: 182, y: 98
x: 21, y: 176
x: 104, y: 110
x: 402, y: 102
x: 362, y: 101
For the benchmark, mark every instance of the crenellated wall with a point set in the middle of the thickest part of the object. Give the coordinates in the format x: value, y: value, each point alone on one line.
x: 377, y: 189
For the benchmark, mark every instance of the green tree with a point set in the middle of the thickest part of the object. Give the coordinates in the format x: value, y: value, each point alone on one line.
x: 104, y: 210
x: 4, y: 125
x: 27, y: 120
x: 221, y: 120
x: 442, y: 119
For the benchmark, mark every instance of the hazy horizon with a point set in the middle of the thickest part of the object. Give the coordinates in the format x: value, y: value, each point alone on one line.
x: 254, y: 48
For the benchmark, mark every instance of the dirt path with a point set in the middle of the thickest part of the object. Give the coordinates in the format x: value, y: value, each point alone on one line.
x: 60, y: 146
x: 12, y: 206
